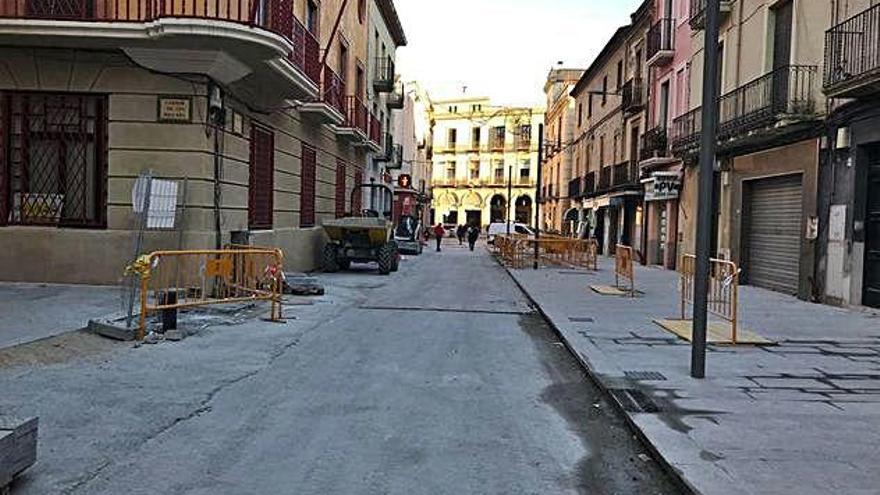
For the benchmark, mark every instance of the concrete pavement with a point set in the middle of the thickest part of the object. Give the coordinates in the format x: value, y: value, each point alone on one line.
x: 800, y: 418
x: 437, y: 379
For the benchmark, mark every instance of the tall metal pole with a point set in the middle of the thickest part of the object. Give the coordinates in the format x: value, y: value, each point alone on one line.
x: 509, y: 195
x: 538, y: 191
x: 704, y: 203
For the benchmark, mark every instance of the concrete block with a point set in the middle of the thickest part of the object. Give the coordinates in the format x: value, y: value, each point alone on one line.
x: 18, y: 446
x: 112, y: 329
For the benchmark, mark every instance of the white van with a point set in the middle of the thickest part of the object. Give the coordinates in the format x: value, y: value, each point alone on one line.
x: 515, y: 228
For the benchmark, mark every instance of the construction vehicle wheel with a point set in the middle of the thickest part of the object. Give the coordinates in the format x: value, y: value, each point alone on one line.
x: 329, y: 261
x: 385, y: 257
x: 344, y: 263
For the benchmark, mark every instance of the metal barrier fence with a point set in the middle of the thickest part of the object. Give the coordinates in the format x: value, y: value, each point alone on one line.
x: 623, y: 267
x: 723, y: 295
x: 183, y: 279
x: 517, y: 251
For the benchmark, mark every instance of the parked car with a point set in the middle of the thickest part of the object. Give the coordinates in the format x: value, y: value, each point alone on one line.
x: 515, y: 228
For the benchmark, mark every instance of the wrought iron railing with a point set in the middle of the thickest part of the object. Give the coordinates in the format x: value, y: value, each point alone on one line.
x: 783, y: 92
x: 395, y: 98
x: 633, y: 93
x: 604, y: 179
x: 852, y: 50
x: 522, y: 144
x: 375, y: 134
x: 660, y: 37
x: 574, y: 187
x: 686, y: 130
x: 356, y: 113
x: 333, y: 90
x: 272, y: 15
x: 589, y: 184
x: 625, y: 173
x: 654, y: 143
x: 384, y: 78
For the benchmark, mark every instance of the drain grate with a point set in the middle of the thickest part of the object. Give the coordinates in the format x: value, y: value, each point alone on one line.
x: 645, y: 376
x: 573, y: 272
x: 580, y: 319
x: 634, y: 400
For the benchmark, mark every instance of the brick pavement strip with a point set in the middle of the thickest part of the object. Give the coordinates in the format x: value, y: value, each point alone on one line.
x: 799, y: 418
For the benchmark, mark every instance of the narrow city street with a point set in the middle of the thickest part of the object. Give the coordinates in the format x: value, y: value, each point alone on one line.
x: 437, y: 379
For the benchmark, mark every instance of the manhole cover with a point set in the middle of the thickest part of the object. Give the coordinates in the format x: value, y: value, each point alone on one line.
x: 644, y: 376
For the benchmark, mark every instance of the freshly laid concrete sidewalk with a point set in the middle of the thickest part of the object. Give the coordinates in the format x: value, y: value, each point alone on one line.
x: 802, y: 417
x: 30, y: 312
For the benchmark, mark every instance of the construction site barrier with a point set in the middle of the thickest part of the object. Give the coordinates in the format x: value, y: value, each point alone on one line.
x: 206, y: 277
x: 623, y: 268
x: 723, y: 294
x: 518, y: 251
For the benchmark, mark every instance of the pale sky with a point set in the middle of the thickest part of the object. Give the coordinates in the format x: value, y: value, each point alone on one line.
x: 502, y: 48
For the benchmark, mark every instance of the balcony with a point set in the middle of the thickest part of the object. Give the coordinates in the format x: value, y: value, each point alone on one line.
x: 522, y: 144
x: 374, y: 132
x: 383, y: 82
x: 355, y: 127
x: 387, y: 149
x: 604, y: 180
x: 852, y: 56
x: 661, y: 43
x: 625, y: 175
x: 633, y: 96
x: 496, y: 145
x: 330, y: 107
x: 396, y: 161
x: 684, y: 138
x: 654, y: 144
x: 589, y: 187
x: 574, y: 188
x: 698, y: 13
x: 395, y: 99
x: 778, y: 99
x: 259, y: 46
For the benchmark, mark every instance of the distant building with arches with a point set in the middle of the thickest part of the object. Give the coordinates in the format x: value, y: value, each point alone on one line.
x: 480, y: 151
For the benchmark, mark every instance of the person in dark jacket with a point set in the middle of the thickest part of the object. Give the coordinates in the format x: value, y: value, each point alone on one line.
x: 461, y: 232
x: 473, y: 233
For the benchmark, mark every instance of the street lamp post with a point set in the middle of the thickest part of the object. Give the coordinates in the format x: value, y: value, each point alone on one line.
x: 704, y: 203
x: 538, y: 192
x: 509, y: 195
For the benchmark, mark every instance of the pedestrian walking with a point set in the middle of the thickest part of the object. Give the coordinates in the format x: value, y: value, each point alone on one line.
x: 439, y: 231
x: 473, y: 233
x: 461, y: 232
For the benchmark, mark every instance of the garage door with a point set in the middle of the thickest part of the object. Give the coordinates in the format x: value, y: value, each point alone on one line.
x: 773, y: 230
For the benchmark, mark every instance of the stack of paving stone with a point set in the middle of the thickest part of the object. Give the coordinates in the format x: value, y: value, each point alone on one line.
x: 18, y: 447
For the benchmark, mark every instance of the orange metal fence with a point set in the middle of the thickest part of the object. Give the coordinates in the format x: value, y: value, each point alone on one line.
x: 723, y: 295
x: 518, y: 250
x: 623, y: 267
x: 204, y: 277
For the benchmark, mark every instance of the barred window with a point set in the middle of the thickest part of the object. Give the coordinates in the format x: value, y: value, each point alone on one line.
x: 262, y: 181
x: 53, y: 159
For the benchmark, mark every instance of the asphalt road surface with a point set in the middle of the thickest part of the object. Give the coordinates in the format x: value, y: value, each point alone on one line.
x: 438, y: 379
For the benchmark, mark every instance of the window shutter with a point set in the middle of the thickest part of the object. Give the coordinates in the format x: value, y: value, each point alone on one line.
x: 307, y: 187
x: 262, y: 181
x: 357, y: 200
x: 340, y: 188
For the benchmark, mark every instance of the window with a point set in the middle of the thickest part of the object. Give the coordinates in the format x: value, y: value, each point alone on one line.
x: 604, y: 90
x: 663, y: 109
x: 56, y: 173
x: 451, y: 137
x: 475, y: 138
x: 498, y: 137
x: 601, y: 151
x: 474, y: 170
x: 312, y: 18
x: 476, y: 108
x: 362, y: 10
x: 262, y: 182
x: 619, y: 75
x: 359, y: 81
x: 580, y: 114
x: 589, y: 106
x: 357, y: 201
x: 450, y: 170
x: 453, y: 109
x: 498, y: 171
x: 343, y: 64
x: 307, y: 186
x: 340, y: 188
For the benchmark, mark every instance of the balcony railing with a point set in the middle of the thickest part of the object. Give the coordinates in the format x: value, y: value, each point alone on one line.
x: 272, y: 15
x: 522, y: 144
x: 524, y: 181
x: 496, y: 145
x: 333, y: 90
x: 604, y: 179
x: 574, y: 187
x: 633, y: 95
x: 852, y: 55
x: 395, y: 98
x: 375, y: 134
x: 589, y: 187
x: 625, y: 174
x: 384, y: 80
x: 654, y: 144
x: 786, y: 92
x: 356, y: 114
x: 698, y: 12
x: 387, y: 148
x: 686, y: 129
x: 661, y: 41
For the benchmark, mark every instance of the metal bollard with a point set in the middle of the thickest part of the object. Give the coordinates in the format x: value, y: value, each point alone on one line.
x: 169, y: 315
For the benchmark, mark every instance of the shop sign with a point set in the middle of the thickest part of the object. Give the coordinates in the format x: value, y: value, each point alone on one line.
x: 175, y: 109
x: 662, y: 186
